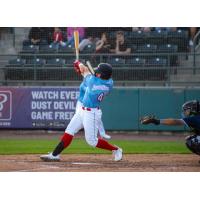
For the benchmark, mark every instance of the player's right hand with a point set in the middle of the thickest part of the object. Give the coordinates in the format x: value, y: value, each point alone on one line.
x: 149, y: 120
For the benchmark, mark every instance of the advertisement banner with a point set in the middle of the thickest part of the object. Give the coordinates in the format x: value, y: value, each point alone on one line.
x: 35, y: 108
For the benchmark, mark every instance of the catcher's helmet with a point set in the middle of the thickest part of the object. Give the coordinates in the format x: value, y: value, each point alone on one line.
x: 191, y: 108
x: 193, y: 143
x: 105, y: 70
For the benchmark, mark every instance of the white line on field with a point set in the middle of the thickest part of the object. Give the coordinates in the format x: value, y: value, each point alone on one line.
x: 84, y: 163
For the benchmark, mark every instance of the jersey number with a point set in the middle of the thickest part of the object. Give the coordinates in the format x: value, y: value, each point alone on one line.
x: 100, y: 97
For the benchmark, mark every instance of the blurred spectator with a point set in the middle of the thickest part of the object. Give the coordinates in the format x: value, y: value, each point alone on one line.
x: 58, y: 38
x: 70, y: 34
x: 120, y: 46
x: 103, y: 45
x: 192, y: 33
x: 145, y: 29
x: 92, y: 35
x: 36, y: 36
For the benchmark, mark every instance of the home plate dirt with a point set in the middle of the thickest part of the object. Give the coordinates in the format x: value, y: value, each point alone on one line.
x: 102, y: 163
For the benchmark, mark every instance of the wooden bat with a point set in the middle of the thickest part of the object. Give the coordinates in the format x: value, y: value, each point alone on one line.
x: 89, y: 66
x: 76, y: 43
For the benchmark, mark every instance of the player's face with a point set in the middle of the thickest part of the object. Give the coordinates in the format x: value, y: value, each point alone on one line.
x: 186, y: 113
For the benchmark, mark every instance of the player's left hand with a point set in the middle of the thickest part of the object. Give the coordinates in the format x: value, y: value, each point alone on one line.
x: 76, y: 66
x: 149, y: 120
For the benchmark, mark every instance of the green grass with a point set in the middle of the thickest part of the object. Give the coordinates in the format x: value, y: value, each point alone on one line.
x: 79, y: 146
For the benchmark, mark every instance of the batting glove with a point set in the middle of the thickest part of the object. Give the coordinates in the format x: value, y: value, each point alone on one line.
x: 76, y: 66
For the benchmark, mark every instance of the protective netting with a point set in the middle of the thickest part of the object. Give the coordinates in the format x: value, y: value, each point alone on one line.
x: 136, y: 54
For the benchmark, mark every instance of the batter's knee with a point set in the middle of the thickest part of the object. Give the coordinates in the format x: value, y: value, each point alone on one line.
x: 92, y: 141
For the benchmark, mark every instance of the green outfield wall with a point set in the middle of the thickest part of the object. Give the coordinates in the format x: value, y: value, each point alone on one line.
x: 124, y: 107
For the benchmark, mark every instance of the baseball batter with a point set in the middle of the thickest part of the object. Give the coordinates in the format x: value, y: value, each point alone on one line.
x: 190, y: 117
x: 79, y: 106
x: 89, y: 114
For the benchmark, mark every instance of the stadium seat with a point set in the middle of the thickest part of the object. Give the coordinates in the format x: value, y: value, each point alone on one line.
x: 66, y: 49
x: 29, y: 49
x: 154, y: 74
x: 55, y: 62
x: 36, y: 61
x: 167, y: 48
x: 116, y: 61
x: 156, y: 37
x: 90, y: 48
x: 28, y: 52
x: 133, y: 48
x: 47, y: 49
x: 147, y: 48
x: 15, y: 69
x: 69, y: 61
x: 135, y: 62
x: 172, y: 59
x: 52, y: 70
x: 17, y: 62
x: 157, y: 62
x: 112, y: 35
x: 137, y: 37
x: 179, y: 38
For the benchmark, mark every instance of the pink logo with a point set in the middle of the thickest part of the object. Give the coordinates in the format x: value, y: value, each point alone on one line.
x: 3, y: 99
x: 5, y: 105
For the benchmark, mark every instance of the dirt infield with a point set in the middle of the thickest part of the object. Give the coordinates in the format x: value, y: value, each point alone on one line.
x: 99, y: 162
x: 102, y: 163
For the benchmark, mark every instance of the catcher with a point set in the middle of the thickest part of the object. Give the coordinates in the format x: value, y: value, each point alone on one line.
x: 190, y: 117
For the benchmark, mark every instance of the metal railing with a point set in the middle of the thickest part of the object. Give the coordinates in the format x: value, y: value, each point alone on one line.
x: 126, y: 70
x: 195, y: 48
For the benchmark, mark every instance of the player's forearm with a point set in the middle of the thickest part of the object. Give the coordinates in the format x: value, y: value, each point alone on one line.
x: 172, y: 122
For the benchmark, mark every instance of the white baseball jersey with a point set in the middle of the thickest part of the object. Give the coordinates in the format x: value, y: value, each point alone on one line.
x: 87, y: 117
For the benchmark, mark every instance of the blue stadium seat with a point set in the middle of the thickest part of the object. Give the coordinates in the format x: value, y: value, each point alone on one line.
x: 90, y: 48
x: 156, y: 62
x: 47, y: 49
x: 17, y: 62
x: 171, y: 57
x: 55, y: 62
x: 16, y: 71
x: 69, y: 61
x: 116, y: 61
x: 137, y: 37
x: 66, y: 49
x: 36, y: 61
x: 147, y: 48
x: 156, y: 37
x: 179, y: 38
x: 135, y: 62
x: 29, y: 49
x: 167, y: 48
x: 52, y: 70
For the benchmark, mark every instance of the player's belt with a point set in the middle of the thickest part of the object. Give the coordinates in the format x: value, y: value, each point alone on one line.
x: 89, y: 109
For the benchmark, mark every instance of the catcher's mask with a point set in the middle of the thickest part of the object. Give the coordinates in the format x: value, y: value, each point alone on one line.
x: 105, y: 70
x: 190, y: 108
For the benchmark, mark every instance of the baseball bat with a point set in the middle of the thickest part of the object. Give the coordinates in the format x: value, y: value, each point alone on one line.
x: 76, y: 43
x: 89, y: 66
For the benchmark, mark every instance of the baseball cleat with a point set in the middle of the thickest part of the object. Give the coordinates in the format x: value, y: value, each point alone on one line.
x: 117, y: 154
x: 50, y: 158
x: 104, y: 135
